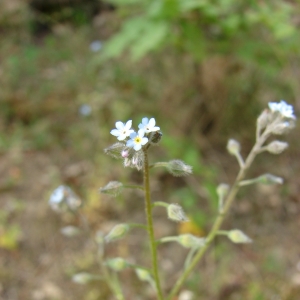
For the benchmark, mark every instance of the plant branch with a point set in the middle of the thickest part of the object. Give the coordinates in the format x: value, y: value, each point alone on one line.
x: 219, y: 220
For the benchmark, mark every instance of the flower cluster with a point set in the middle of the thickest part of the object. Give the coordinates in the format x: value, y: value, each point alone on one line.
x: 131, y: 142
x: 278, y: 119
x: 284, y: 109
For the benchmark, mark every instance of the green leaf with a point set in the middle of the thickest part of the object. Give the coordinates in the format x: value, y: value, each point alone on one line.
x: 188, y: 5
x: 152, y: 37
x: 166, y: 10
x: 119, y: 42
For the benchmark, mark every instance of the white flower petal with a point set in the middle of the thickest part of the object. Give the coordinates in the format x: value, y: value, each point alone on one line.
x: 115, y: 132
x: 141, y: 133
x: 128, y: 124
x: 122, y: 137
x: 145, y: 121
x: 144, y: 141
x: 133, y: 135
x: 137, y: 147
x: 130, y: 143
x: 119, y: 125
x: 151, y: 122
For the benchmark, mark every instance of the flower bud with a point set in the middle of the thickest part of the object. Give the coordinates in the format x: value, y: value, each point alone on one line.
x: 186, y: 295
x: 135, y: 161
x: 70, y: 231
x: 115, y: 150
x: 233, y: 147
x: 117, y: 264
x: 190, y: 241
x: 82, y: 278
x: 263, y: 119
x: 125, y: 153
x: 269, y: 179
x: 113, y: 188
x: 155, y: 137
x: 277, y: 147
x: 283, y: 127
x: 179, y: 168
x: 143, y: 275
x: 117, y: 232
x: 222, y: 190
x: 237, y: 236
x: 176, y: 213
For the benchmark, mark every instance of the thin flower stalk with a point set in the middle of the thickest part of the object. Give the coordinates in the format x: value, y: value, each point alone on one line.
x: 133, y: 186
x: 148, y: 208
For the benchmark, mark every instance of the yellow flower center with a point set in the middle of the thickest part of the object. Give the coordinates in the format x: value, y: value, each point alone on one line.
x: 137, y: 139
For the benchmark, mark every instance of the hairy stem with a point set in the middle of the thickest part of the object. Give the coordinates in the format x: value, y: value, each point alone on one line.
x: 148, y: 207
x: 220, y: 218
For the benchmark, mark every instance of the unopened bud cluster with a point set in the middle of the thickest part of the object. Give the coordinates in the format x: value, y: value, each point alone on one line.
x: 117, y: 232
x: 178, y: 168
x: 269, y: 179
x: 176, y: 213
x: 233, y: 147
x: 276, y: 147
x: 113, y: 188
x: 117, y: 264
x: 143, y: 274
x: 237, y: 236
x: 190, y: 241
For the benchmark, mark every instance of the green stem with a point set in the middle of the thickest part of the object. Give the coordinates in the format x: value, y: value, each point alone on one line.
x: 222, y: 232
x: 219, y: 220
x: 133, y: 186
x: 158, y: 164
x: 167, y: 239
x: 148, y: 208
x: 117, y: 286
x: 160, y: 203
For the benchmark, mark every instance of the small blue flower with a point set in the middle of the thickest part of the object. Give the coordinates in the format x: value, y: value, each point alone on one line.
x: 148, y: 125
x: 85, y: 110
x: 137, y: 140
x: 123, y: 130
x: 286, y: 110
x: 95, y: 46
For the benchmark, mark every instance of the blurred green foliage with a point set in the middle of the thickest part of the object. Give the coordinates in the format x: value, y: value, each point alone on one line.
x: 249, y: 29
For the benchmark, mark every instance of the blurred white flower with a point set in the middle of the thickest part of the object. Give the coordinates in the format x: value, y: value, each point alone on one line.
x: 283, y: 108
x: 63, y: 198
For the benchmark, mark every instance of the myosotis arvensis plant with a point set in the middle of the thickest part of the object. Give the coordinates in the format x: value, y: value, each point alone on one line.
x: 132, y: 147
